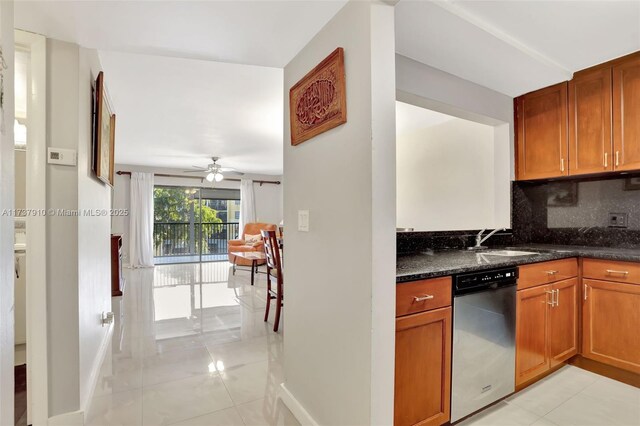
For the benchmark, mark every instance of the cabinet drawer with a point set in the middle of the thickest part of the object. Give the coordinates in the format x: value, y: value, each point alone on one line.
x: 418, y: 296
x: 547, y: 272
x: 611, y: 270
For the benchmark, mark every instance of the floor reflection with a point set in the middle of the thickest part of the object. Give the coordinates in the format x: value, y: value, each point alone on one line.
x: 190, y: 347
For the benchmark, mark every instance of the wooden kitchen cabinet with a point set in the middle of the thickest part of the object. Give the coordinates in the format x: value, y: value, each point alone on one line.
x: 541, y: 135
x: 563, y: 322
x: 611, y: 320
x: 626, y: 110
x: 532, y: 316
x: 423, y: 368
x: 585, y: 126
x: 590, y: 115
x: 546, y: 317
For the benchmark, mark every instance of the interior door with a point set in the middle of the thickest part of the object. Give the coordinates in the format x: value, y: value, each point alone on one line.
x: 542, y: 139
x: 531, y: 332
x: 611, y: 320
x: 626, y: 110
x: 563, y: 321
x: 590, y: 145
x: 423, y: 368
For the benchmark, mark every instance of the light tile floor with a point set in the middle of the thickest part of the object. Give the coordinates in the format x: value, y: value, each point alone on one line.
x: 569, y: 397
x: 190, y: 347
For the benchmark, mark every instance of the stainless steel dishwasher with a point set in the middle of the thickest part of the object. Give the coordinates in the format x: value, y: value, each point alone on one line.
x: 484, y: 322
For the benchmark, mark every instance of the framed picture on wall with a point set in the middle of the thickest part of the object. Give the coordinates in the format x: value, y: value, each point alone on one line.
x: 318, y: 102
x: 104, y: 134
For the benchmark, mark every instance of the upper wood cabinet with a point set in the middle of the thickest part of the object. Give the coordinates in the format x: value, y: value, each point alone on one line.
x: 586, y: 126
x: 590, y: 146
x: 541, y: 137
x: 626, y: 113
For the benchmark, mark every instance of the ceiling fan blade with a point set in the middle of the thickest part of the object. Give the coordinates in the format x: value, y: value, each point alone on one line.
x: 227, y: 169
x: 200, y: 167
x: 194, y: 171
x: 234, y: 173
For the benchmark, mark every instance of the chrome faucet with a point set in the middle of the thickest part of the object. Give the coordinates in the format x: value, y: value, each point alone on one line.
x: 480, y: 239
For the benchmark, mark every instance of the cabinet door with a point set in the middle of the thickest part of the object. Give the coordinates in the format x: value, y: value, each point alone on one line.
x: 563, y: 321
x: 423, y: 368
x: 542, y: 145
x: 626, y: 110
x: 590, y: 146
x: 611, y: 320
x: 531, y: 332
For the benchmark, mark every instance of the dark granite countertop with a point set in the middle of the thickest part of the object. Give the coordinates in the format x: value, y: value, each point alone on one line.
x: 431, y: 264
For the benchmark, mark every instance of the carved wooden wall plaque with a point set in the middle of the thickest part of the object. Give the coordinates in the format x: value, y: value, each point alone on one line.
x: 318, y: 102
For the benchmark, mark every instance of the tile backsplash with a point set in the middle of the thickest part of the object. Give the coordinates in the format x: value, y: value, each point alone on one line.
x: 587, y: 211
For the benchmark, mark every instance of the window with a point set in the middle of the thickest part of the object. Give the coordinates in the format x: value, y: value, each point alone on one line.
x: 194, y: 224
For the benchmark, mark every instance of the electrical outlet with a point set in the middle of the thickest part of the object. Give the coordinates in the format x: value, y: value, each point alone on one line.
x: 618, y: 220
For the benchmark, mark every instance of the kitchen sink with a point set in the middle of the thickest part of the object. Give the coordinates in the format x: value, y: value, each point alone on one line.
x: 508, y: 253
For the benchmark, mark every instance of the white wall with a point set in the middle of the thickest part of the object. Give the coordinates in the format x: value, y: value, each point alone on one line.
x: 20, y: 176
x: 339, y: 345
x: 94, y: 247
x: 62, y: 232
x: 78, y: 257
x: 268, y: 197
x: 6, y: 222
x: 446, y: 178
x: 428, y: 87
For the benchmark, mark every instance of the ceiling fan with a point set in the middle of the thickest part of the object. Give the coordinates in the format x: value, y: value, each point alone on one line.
x: 214, y: 170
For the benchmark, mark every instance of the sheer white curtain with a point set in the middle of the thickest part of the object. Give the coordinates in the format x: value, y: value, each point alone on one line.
x: 247, y: 204
x: 141, y: 220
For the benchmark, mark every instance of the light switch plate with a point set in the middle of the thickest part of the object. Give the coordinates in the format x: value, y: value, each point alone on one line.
x: 303, y: 220
x: 65, y: 157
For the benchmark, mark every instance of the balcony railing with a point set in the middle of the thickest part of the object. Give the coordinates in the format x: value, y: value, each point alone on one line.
x: 193, y: 240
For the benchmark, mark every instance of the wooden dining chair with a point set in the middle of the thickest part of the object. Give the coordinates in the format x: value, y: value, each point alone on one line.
x: 274, y: 275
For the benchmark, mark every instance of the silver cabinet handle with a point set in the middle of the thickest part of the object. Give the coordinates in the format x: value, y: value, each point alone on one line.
x: 552, y: 272
x: 613, y: 271
x: 553, y: 301
x: 562, y: 164
x: 606, y: 160
x: 422, y: 298
x: 585, y: 292
x: 617, y: 158
x: 557, y: 297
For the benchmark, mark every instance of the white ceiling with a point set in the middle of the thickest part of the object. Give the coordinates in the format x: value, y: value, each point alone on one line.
x: 515, y: 47
x: 174, y: 112
x: 268, y: 33
x: 177, y: 106
x: 411, y: 118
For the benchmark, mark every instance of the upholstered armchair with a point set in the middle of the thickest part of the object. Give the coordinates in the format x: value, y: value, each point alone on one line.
x: 251, y: 240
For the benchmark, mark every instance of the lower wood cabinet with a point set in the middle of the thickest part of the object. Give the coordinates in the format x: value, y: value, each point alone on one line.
x: 423, y: 368
x: 563, y: 322
x: 611, y: 322
x: 546, y: 327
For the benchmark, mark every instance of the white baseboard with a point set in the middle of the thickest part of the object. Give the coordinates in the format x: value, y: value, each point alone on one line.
x: 73, y: 418
x: 85, y: 401
x: 296, y: 408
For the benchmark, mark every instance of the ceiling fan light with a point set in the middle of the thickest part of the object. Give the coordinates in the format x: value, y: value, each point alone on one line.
x: 218, y: 177
x: 210, y: 177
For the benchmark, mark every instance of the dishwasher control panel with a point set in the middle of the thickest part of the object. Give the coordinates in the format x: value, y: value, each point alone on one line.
x: 484, y: 280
